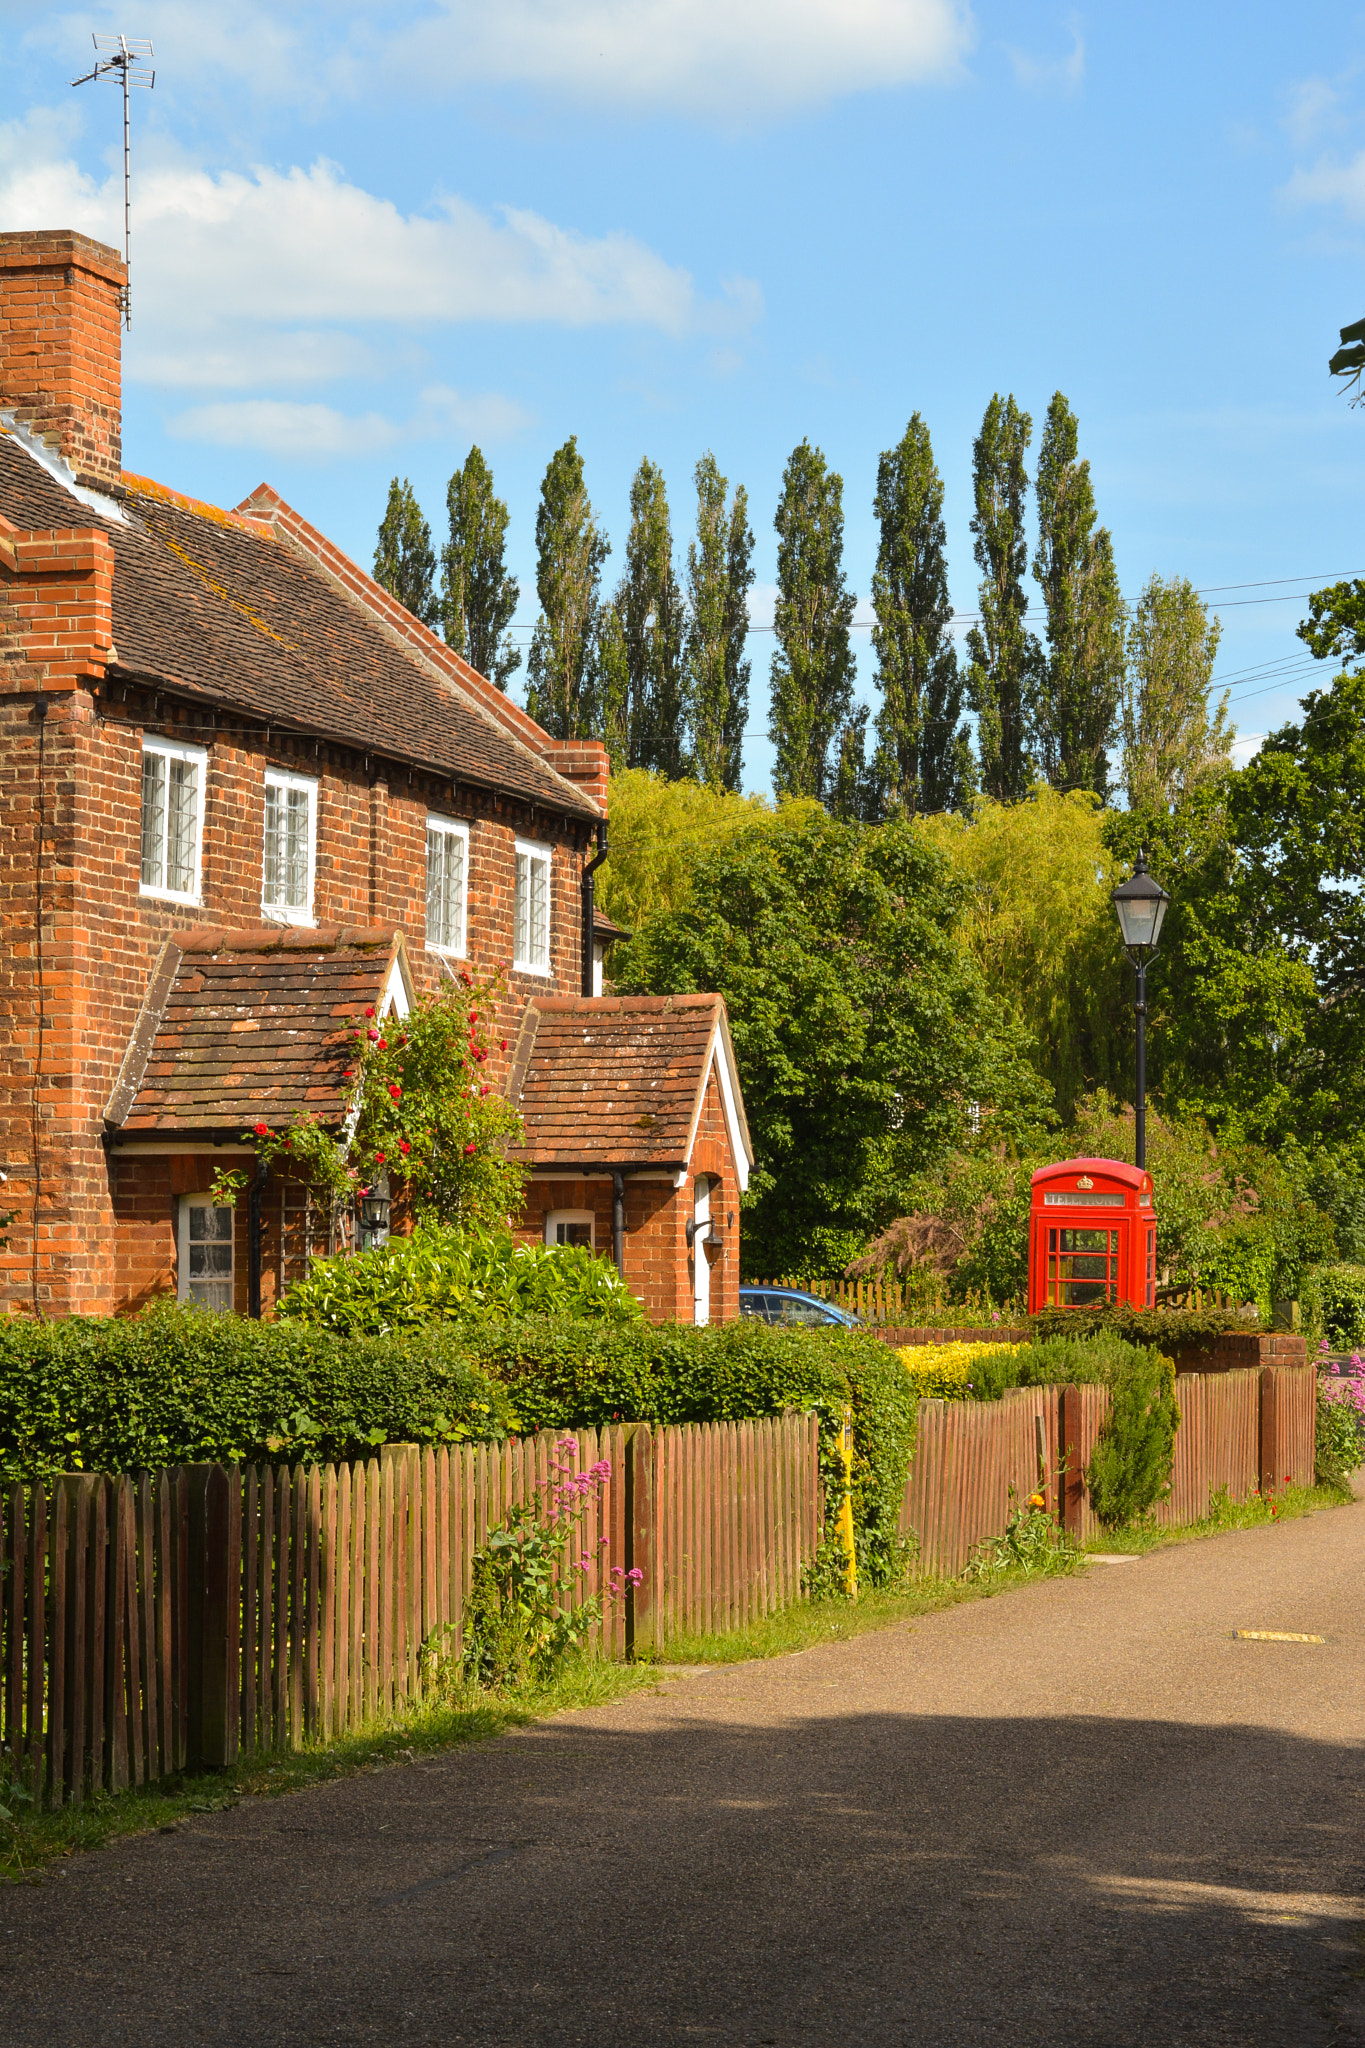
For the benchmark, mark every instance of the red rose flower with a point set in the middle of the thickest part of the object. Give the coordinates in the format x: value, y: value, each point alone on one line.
x: 369, y: 1010
x: 504, y: 1045
x: 383, y: 1044
x: 348, y: 1073
x: 394, y: 1090
x: 469, y: 1148
x: 404, y: 1147
x: 373, y: 1036
x: 379, y: 1159
x: 262, y: 1130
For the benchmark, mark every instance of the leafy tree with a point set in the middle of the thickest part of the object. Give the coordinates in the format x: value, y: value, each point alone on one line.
x: 812, y: 668
x: 719, y: 576
x: 609, y: 687
x: 1169, y: 740
x: 1004, y: 656
x: 478, y: 596
x: 657, y: 830
x: 1077, y: 696
x: 570, y: 551
x: 649, y: 604
x: 862, y: 1031
x: 858, y: 795
x: 924, y: 753
x: 404, y: 562
x: 1038, y: 922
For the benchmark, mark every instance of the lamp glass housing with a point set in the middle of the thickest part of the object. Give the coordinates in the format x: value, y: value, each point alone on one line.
x: 1141, y: 909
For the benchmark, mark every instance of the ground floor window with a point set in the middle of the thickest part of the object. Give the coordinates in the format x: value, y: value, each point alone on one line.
x: 205, y: 1253
x: 569, y: 1226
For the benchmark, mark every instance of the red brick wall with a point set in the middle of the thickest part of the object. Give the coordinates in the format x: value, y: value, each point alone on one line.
x: 101, y: 938
x: 59, y: 346
x: 658, y: 1261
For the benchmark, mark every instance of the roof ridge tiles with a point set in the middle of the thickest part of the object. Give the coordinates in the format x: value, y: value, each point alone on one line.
x: 273, y: 938
x: 622, y: 1006
x: 148, y: 487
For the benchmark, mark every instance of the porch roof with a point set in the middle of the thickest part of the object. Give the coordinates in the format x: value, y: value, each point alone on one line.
x: 246, y: 1027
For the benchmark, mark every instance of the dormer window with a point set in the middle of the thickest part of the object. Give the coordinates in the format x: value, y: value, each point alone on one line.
x: 172, y: 819
x: 531, y: 911
x: 288, y: 861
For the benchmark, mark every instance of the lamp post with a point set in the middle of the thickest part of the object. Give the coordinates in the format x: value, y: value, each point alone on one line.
x: 1141, y: 907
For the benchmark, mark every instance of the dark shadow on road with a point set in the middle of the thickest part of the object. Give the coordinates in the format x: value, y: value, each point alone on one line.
x: 874, y: 1878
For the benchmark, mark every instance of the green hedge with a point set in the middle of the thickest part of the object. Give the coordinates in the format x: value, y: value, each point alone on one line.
x: 1167, y: 1328
x: 1333, y: 1304
x: 178, y: 1385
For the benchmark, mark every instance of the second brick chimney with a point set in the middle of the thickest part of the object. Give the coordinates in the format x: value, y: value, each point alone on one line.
x: 60, y: 373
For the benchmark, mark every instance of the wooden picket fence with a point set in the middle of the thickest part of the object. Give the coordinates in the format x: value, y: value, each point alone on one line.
x: 976, y: 1461
x: 192, y: 1616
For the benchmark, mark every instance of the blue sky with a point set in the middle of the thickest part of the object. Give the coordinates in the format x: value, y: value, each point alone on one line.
x: 365, y: 235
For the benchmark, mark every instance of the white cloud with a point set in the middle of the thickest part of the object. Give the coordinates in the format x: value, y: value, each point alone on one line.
x: 729, y: 58
x: 321, y: 432
x: 1051, y: 73
x: 237, y: 279
x: 1315, y: 110
x: 1330, y: 183
x: 1245, y: 747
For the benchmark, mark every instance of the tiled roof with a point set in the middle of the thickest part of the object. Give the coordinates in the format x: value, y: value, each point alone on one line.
x: 615, y: 1080
x: 216, y: 605
x: 250, y: 1026
x: 606, y: 929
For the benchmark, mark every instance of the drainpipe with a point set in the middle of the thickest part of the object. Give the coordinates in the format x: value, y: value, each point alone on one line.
x: 253, y: 1241
x: 588, y: 887
x: 618, y: 1221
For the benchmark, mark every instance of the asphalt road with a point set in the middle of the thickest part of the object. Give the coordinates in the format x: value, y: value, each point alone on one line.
x: 1082, y: 1815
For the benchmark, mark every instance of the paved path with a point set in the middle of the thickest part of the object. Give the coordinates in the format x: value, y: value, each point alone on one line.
x: 1081, y: 1816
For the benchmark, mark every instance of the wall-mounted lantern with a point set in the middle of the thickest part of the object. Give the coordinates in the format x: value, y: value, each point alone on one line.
x: 375, y: 1207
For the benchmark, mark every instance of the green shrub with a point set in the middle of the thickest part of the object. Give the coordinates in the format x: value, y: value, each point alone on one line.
x: 1339, y: 1441
x: 1167, y: 1328
x: 441, y: 1271
x: 1130, y: 1468
x: 180, y: 1385
x: 1333, y: 1304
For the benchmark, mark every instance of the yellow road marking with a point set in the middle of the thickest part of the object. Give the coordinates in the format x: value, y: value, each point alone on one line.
x: 1273, y: 1635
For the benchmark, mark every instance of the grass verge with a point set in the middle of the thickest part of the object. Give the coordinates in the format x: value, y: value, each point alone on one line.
x: 29, y: 1840
x: 1224, y: 1514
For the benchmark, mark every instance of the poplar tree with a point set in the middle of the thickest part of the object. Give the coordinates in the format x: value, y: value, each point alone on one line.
x: 924, y: 757
x: 570, y: 551
x: 1077, y: 697
x: 1003, y: 655
x: 719, y: 577
x: 649, y: 603
x: 812, y: 668
x: 610, y: 694
x: 478, y: 597
x: 1170, y: 743
x: 404, y: 561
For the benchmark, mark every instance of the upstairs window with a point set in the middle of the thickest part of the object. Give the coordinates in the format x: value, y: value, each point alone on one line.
x: 290, y: 843
x: 531, y: 912
x: 172, y: 819
x: 447, y: 869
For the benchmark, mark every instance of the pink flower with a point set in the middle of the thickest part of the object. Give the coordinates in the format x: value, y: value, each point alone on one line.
x: 373, y: 1036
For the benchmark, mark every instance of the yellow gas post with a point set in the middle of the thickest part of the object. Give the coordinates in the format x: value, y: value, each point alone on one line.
x: 846, y: 1508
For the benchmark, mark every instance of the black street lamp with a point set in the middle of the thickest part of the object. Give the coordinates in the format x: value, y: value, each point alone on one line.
x: 1141, y: 906
x: 374, y: 1215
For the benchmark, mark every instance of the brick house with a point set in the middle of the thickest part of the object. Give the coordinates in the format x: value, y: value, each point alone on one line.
x: 244, y: 794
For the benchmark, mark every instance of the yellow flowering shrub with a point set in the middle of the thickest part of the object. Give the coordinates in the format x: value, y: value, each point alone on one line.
x: 945, y: 1372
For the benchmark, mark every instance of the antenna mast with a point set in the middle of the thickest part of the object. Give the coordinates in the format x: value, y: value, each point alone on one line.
x: 128, y: 61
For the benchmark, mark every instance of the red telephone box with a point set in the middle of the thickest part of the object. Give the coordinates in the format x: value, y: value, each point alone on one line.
x: 1092, y: 1235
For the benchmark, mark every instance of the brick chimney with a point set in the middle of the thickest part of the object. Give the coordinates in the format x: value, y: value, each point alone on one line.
x: 60, y: 373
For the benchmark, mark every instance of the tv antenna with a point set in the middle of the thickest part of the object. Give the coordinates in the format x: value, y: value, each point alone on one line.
x: 128, y: 62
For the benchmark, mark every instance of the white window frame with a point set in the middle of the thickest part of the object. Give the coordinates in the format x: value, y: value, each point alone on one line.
x: 286, y: 913
x: 529, y: 850
x: 558, y: 1216
x: 168, y: 751
x: 451, y: 828
x: 182, y: 1248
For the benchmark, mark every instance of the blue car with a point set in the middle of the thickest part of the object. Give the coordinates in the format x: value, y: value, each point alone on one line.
x: 788, y: 1305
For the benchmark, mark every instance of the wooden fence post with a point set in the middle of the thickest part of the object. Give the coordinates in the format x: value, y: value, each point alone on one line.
x: 641, y: 1605
x: 214, y: 1615
x: 1269, y: 1444
x: 1072, y: 1479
